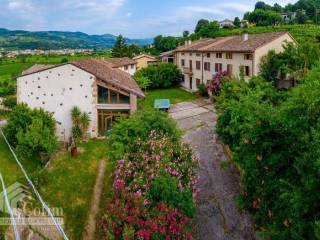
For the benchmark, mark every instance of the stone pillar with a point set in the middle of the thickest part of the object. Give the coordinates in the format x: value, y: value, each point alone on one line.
x: 133, y: 103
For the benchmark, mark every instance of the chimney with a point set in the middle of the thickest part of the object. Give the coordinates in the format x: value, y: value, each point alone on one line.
x: 245, y: 36
x: 188, y: 42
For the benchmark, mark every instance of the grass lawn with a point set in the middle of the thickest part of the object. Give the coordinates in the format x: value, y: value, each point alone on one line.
x: 68, y: 183
x: 175, y: 95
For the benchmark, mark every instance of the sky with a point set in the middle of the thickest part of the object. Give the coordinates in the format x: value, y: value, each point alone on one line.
x: 132, y: 18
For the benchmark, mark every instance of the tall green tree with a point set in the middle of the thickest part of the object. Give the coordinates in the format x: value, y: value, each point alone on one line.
x: 120, y: 48
x: 237, y: 22
x: 201, y: 23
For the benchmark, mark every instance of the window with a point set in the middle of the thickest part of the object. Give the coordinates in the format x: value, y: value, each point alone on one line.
x: 182, y: 62
x: 208, y: 55
x: 229, y: 69
x: 198, y: 82
x: 198, y: 54
x: 218, y: 67
x: 190, y: 64
x: 198, y: 65
x: 207, y: 66
x: 107, y: 96
x: 218, y: 55
x: 248, y: 56
x: 132, y: 66
x: 228, y: 55
x: 190, y: 54
x: 182, y: 54
x: 125, y: 67
x: 247, y: 71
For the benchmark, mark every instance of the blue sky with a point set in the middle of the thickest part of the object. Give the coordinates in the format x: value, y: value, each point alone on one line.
x: 132, y: 18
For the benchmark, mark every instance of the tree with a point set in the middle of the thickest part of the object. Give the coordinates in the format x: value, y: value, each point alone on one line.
x: 143, y: 82
x: 209, y: 30
x: 201, y: 23
x: 264, y: 17
x: 163, y: 75
x: 301, y: 17
x: 277, y: 8
x: 262, y: 5
x: 185, y: 34
x: 31, y: 131
x: 164, y: 44
x: 237, y: 22
x: 120, y: 48
x: 84, y: 124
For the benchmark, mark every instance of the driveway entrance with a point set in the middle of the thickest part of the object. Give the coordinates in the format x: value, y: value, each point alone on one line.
x: 218, y: 217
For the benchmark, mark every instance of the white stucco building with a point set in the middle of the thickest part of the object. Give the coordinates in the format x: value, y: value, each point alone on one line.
x: 200, y: 60
x: 125, y: 64
x: 93, y: 85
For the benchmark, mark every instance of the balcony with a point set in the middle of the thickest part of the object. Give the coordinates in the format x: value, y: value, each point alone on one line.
x: 187, y: 70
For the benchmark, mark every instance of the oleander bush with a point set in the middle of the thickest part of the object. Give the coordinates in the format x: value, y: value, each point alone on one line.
x: 274, y: 137
x: 154, y: 182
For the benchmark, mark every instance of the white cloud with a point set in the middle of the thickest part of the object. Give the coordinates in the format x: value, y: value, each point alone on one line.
x: 20, y: 5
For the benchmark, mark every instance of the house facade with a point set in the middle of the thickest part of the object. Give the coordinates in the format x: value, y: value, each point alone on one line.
x: 238, y: 55
x: 93, y: 85
x: 226, y: 23
x: 125, y: 64
x: 144, y: 60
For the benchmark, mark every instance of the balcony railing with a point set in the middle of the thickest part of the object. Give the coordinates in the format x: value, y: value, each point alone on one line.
x: 187, y: 70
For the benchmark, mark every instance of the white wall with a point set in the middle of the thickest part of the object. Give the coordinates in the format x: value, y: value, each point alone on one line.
x: 132, y: 68
x: 276, y: 45
x: 236, y: 61
x: 57, y: 90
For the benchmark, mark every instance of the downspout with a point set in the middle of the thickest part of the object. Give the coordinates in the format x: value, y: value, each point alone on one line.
x: 253, y: 63
x: 202, y: 69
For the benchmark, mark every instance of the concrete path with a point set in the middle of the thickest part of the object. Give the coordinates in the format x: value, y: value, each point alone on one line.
x: 218, y: 217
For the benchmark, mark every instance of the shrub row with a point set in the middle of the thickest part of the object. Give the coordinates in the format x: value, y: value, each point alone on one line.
x: 153, y: 182
x: 274, y: 137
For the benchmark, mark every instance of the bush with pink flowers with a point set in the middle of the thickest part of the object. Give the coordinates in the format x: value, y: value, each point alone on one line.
x: 153, y: 191
x: 214, y: 85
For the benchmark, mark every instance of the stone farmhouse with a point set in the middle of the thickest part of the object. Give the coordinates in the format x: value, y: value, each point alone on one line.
x: 95, y: 86
x: 202, y: 59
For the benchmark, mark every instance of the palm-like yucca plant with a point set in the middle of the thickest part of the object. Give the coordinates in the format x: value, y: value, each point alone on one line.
x: 76, y: 115
x: 84, y: 123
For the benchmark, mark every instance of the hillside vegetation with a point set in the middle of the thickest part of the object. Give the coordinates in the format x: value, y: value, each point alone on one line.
x: 11, y: 40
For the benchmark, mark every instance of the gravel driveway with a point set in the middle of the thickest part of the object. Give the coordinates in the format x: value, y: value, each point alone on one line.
x: 218, y: 216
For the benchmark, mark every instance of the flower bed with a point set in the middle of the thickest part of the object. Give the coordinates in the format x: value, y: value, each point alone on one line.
x: 153, y: 192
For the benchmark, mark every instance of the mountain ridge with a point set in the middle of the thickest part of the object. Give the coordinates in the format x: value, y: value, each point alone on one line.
x: 22, y: 39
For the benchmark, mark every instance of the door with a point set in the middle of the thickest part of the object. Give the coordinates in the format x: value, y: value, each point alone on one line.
x: 190, y: 83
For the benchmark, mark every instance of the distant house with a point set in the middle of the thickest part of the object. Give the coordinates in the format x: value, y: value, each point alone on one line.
x: 125, y: 64
x: 143, y: 60
x: 95, y: 86
x: 236, y: 55
x: 167, y: 57
x: 226, y: 23
x: 289, y: 16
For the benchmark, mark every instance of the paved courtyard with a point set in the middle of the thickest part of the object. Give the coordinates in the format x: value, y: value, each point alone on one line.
x: 218, y: 217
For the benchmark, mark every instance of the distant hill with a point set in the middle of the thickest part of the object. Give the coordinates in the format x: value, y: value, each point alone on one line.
x: 18, y: 39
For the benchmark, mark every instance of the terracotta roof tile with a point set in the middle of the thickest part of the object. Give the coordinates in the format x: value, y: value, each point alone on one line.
x: 36, y: 68
x: 232, y: 43
x: 101, y: 69
x: 120, y: 62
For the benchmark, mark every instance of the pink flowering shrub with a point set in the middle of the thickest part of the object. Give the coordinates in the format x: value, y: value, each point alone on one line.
x: 214, y: 85
x: 139, y: 209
